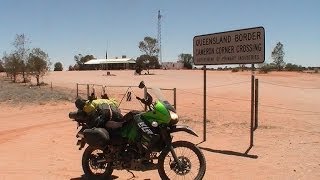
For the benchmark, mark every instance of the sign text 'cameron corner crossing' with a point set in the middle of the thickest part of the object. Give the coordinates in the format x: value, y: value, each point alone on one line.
x: 244, y: 46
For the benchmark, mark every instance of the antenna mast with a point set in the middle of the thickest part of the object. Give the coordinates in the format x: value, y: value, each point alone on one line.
x: 159, y: 37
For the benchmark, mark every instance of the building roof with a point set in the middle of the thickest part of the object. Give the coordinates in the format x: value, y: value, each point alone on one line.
x: 111, y: 61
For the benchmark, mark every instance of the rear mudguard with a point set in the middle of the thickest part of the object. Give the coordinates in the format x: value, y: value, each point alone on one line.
x: 185, y: 128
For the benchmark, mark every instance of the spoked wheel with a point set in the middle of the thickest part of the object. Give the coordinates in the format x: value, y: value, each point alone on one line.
x: 191, y: 165
x: 94, y: 164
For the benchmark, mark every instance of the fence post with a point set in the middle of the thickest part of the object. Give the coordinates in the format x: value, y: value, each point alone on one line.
x: 256, y: 103
x: 77, y: 90
x: 252, y: 106
x: 145, y: 97
x: 175, y: 98
x: 104, y: 89
x: 88, y: 93
x: 51, y: 86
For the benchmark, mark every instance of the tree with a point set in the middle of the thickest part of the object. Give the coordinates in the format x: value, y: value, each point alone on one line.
x: 147, y: 62
x: 187, y: 60
x: 149, y: 46
x: 58, y: 66
x: 80, y: 60
x: 38, y: 63
x: 149, y: 59
x: 21, y: 44
x: 76, y: 67
x: 71, y: 68
x: 1, y: 66
x: 277, y: 56
x: 12, y: 65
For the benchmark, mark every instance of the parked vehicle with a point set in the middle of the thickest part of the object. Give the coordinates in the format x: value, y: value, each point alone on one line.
x: 143, y: 143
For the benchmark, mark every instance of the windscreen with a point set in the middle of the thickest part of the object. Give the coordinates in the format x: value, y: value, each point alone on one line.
x: 156, y: 92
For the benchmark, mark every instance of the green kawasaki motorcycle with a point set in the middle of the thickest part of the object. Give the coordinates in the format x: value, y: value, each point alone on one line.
x: 143, y: 143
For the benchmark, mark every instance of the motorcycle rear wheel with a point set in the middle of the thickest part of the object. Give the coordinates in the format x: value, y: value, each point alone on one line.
x: 169, y: 169
x: 93, y: 169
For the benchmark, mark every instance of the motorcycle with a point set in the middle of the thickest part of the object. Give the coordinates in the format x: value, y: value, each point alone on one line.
x: 143, y: 143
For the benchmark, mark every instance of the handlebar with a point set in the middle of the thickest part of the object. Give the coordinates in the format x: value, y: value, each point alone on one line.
x: 142, y: 100
x: 148, y: 98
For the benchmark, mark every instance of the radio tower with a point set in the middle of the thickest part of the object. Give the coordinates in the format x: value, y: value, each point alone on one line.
x: 159, y: 37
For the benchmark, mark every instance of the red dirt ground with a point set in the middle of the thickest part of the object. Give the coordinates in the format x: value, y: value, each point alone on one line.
x: 38, y: 142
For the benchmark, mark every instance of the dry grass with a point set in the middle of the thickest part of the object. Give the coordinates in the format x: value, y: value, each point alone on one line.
x: 13, y: 93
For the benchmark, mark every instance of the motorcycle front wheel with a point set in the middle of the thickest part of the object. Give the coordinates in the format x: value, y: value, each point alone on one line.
x: 94, y: 164
x: 192, y: 162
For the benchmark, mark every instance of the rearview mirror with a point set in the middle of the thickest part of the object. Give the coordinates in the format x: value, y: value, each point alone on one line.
x: 149, y: 99
x: 142, y: 85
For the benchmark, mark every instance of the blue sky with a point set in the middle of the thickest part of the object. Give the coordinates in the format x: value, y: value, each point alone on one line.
x: 64, y: 28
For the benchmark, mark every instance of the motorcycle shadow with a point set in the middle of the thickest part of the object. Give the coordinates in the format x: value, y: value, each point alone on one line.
x: 85, y: 178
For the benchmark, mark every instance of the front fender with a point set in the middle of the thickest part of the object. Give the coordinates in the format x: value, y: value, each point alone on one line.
x: 185, y: 128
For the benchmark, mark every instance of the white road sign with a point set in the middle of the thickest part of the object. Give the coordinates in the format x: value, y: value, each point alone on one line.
x: 244, y: 46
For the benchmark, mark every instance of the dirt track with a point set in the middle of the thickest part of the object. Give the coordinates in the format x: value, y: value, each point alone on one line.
x: 38, y: 142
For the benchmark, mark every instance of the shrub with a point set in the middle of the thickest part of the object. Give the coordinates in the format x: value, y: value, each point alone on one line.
x: 235, y: 70
x: 293, y: 67
x: 265, y: 68
x: 1, y: 67
x: 58, y: 66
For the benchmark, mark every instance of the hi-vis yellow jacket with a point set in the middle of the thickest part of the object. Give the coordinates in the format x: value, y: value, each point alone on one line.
x: 90, y: 106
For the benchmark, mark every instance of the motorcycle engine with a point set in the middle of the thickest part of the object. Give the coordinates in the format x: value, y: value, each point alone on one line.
x: 123, y: 157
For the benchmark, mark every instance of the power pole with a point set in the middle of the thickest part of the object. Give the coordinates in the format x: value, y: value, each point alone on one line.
x: 159, y: 37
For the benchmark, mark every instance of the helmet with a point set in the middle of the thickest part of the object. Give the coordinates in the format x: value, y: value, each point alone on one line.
x: 80, y: 103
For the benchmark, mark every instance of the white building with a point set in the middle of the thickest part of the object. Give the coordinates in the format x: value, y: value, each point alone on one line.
x: 172, y: 65
x: 106, y: 64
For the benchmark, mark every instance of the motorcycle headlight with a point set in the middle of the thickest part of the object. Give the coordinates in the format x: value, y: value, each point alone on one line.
x: 173, y: 115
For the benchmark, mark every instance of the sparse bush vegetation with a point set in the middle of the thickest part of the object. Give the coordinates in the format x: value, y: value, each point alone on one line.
x: 1, y: 67
x: 80, y: 60
x: 235, y: 70
x: 293, y: 67
x: 25, y: 62
x: 18, y: 93
x: 21, y: 43
x: 12, y: 66
x: 38, y: 63
x: 58, y: 66
x: 243, y: 67
x: 265, y: 68
x: 71, y: 68
x: 187, y: 60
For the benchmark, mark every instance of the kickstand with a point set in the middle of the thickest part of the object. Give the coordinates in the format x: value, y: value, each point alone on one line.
x: 133, y: 176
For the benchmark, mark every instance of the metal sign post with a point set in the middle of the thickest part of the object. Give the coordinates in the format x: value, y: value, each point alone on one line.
x: 252, y: 105
x: 256, y: 103
x: 204, y: 103
x: 243, y: 46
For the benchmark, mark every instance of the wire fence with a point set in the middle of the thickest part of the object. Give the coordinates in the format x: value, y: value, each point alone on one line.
x: 232, y: 99
x: 125, y: 95
x: 288, y: 86
x: 223, y: 110
x: 228, y: 111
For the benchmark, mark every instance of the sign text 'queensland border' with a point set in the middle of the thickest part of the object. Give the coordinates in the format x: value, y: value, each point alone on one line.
x: 244, y: 46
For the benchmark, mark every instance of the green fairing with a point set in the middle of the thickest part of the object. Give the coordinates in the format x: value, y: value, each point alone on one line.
x: 130, y: 131
x: 160, y: 114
